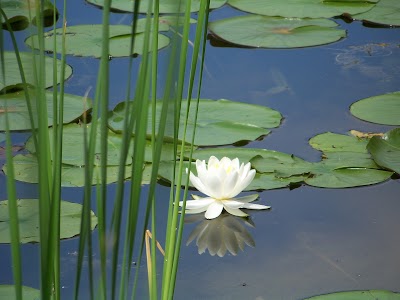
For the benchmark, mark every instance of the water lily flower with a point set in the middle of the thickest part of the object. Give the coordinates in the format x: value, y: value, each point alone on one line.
x: 221, y: 180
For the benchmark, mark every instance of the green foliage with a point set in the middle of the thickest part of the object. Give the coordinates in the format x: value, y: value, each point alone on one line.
x: 303, y: 8
x: 386, y: 150
x: 20, y: 13
x: 276, y: 32
x: 381, y: 109
x: 15, y: 105
x: 219, y: 122
x: 85, y: 40
x: 12, y: 79
x: 28, y: 214
x: 385, y: 12
x: 359, y: 295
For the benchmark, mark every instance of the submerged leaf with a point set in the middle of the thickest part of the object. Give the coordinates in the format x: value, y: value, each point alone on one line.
x: 276, y: 32
x: 28, y: 214
x: 28, y: 293
x: 386, y: 150
x: 359, y: 295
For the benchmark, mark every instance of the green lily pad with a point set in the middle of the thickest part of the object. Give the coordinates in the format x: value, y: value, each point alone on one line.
x: 359, y: 295
x: 20, y: 14
x: 276, y: 32
x: 219, y: 122
x: 74, y: 150
x: 28, y: 293
x: 382, y: 109
x: 13, y: 76
x: 26, y: 170
x: 386, y: 150
x: 303, y: 8
x: 333, y: 142
x: 385, y: 12
x: 166, y: 6
x: 14, y: 104
x: 86, y: 40
x: 28, y: 214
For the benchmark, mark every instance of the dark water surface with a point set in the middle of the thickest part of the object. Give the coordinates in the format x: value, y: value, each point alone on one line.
x: 313, y: 240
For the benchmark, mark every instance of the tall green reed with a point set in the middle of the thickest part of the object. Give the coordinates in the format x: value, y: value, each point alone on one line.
x: 121, y: 231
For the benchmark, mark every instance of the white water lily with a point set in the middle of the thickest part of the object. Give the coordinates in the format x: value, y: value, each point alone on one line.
x: 221, y: 180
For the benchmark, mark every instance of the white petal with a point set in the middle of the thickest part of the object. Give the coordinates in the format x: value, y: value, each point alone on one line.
x: 214, y: 210
x: 255, y: 206
x: 229, y: 184
x: 235, y: 164
x: 244, y: 183
x: 232, y: 203
x: 212, y: 161
x: 235, y: 211
x: 246, y: 199
x: 198, y: 184
x: 214, y: 185
x: 195, y: 204
x: 201, y: 169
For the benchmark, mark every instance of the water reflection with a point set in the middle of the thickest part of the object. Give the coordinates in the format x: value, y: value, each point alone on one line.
x: 227, y: 233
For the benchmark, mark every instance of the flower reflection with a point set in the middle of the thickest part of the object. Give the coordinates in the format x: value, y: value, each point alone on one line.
x: 221, y: 180
x: 222, y: 234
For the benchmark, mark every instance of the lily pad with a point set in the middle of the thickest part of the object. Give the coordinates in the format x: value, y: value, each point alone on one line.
x: 13, y: 76
x: 86, y: 40
x: 74, y: 150
x: 20, y: 14
x: 219, y: 122
x: 166, y: 6
x: 14, y: 104
x: 359, y: 295
x: 28, y: 214
x: 386, y: 150
x: 276, y: 32
x: 385, y: 12
x: 382, y: 109
x: 28, y: 293
x: 26, y: 170
x: 303, y: 8
x: 333, y: 142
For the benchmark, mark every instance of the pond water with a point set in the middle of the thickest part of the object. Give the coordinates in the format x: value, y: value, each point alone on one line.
x: 313, y: 241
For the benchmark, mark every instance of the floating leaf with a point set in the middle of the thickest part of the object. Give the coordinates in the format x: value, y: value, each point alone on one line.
x: 28, y: 220
x: 359, y: 295
x: 26, y: 169
x: 74, y: 150
x: 86, y: 40
x: 333, y: 142
x: 219, y: 122
x: 28, y: 293
x: 386, y: 150
x: 20, y: 13
x: 385, y: 12
x: 303, y: 8
x: 382, y: 109
x: 166, y: 6
x: 14, y: 104
x: 276, y: 32
x: 13, y: 76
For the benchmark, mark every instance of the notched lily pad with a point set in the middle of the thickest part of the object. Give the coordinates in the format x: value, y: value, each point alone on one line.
x: 386, y: 150
x: 219, y: 122
x: 166, y: 6
x: 276, y: 32
x: 15, y: 105
x: 28, y: 214
x: 381, y: 109
x: 12, y: 81
x: 86, y: 40
x: 20, y: 13
x: 333, y: 142
x: 303, y: 8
